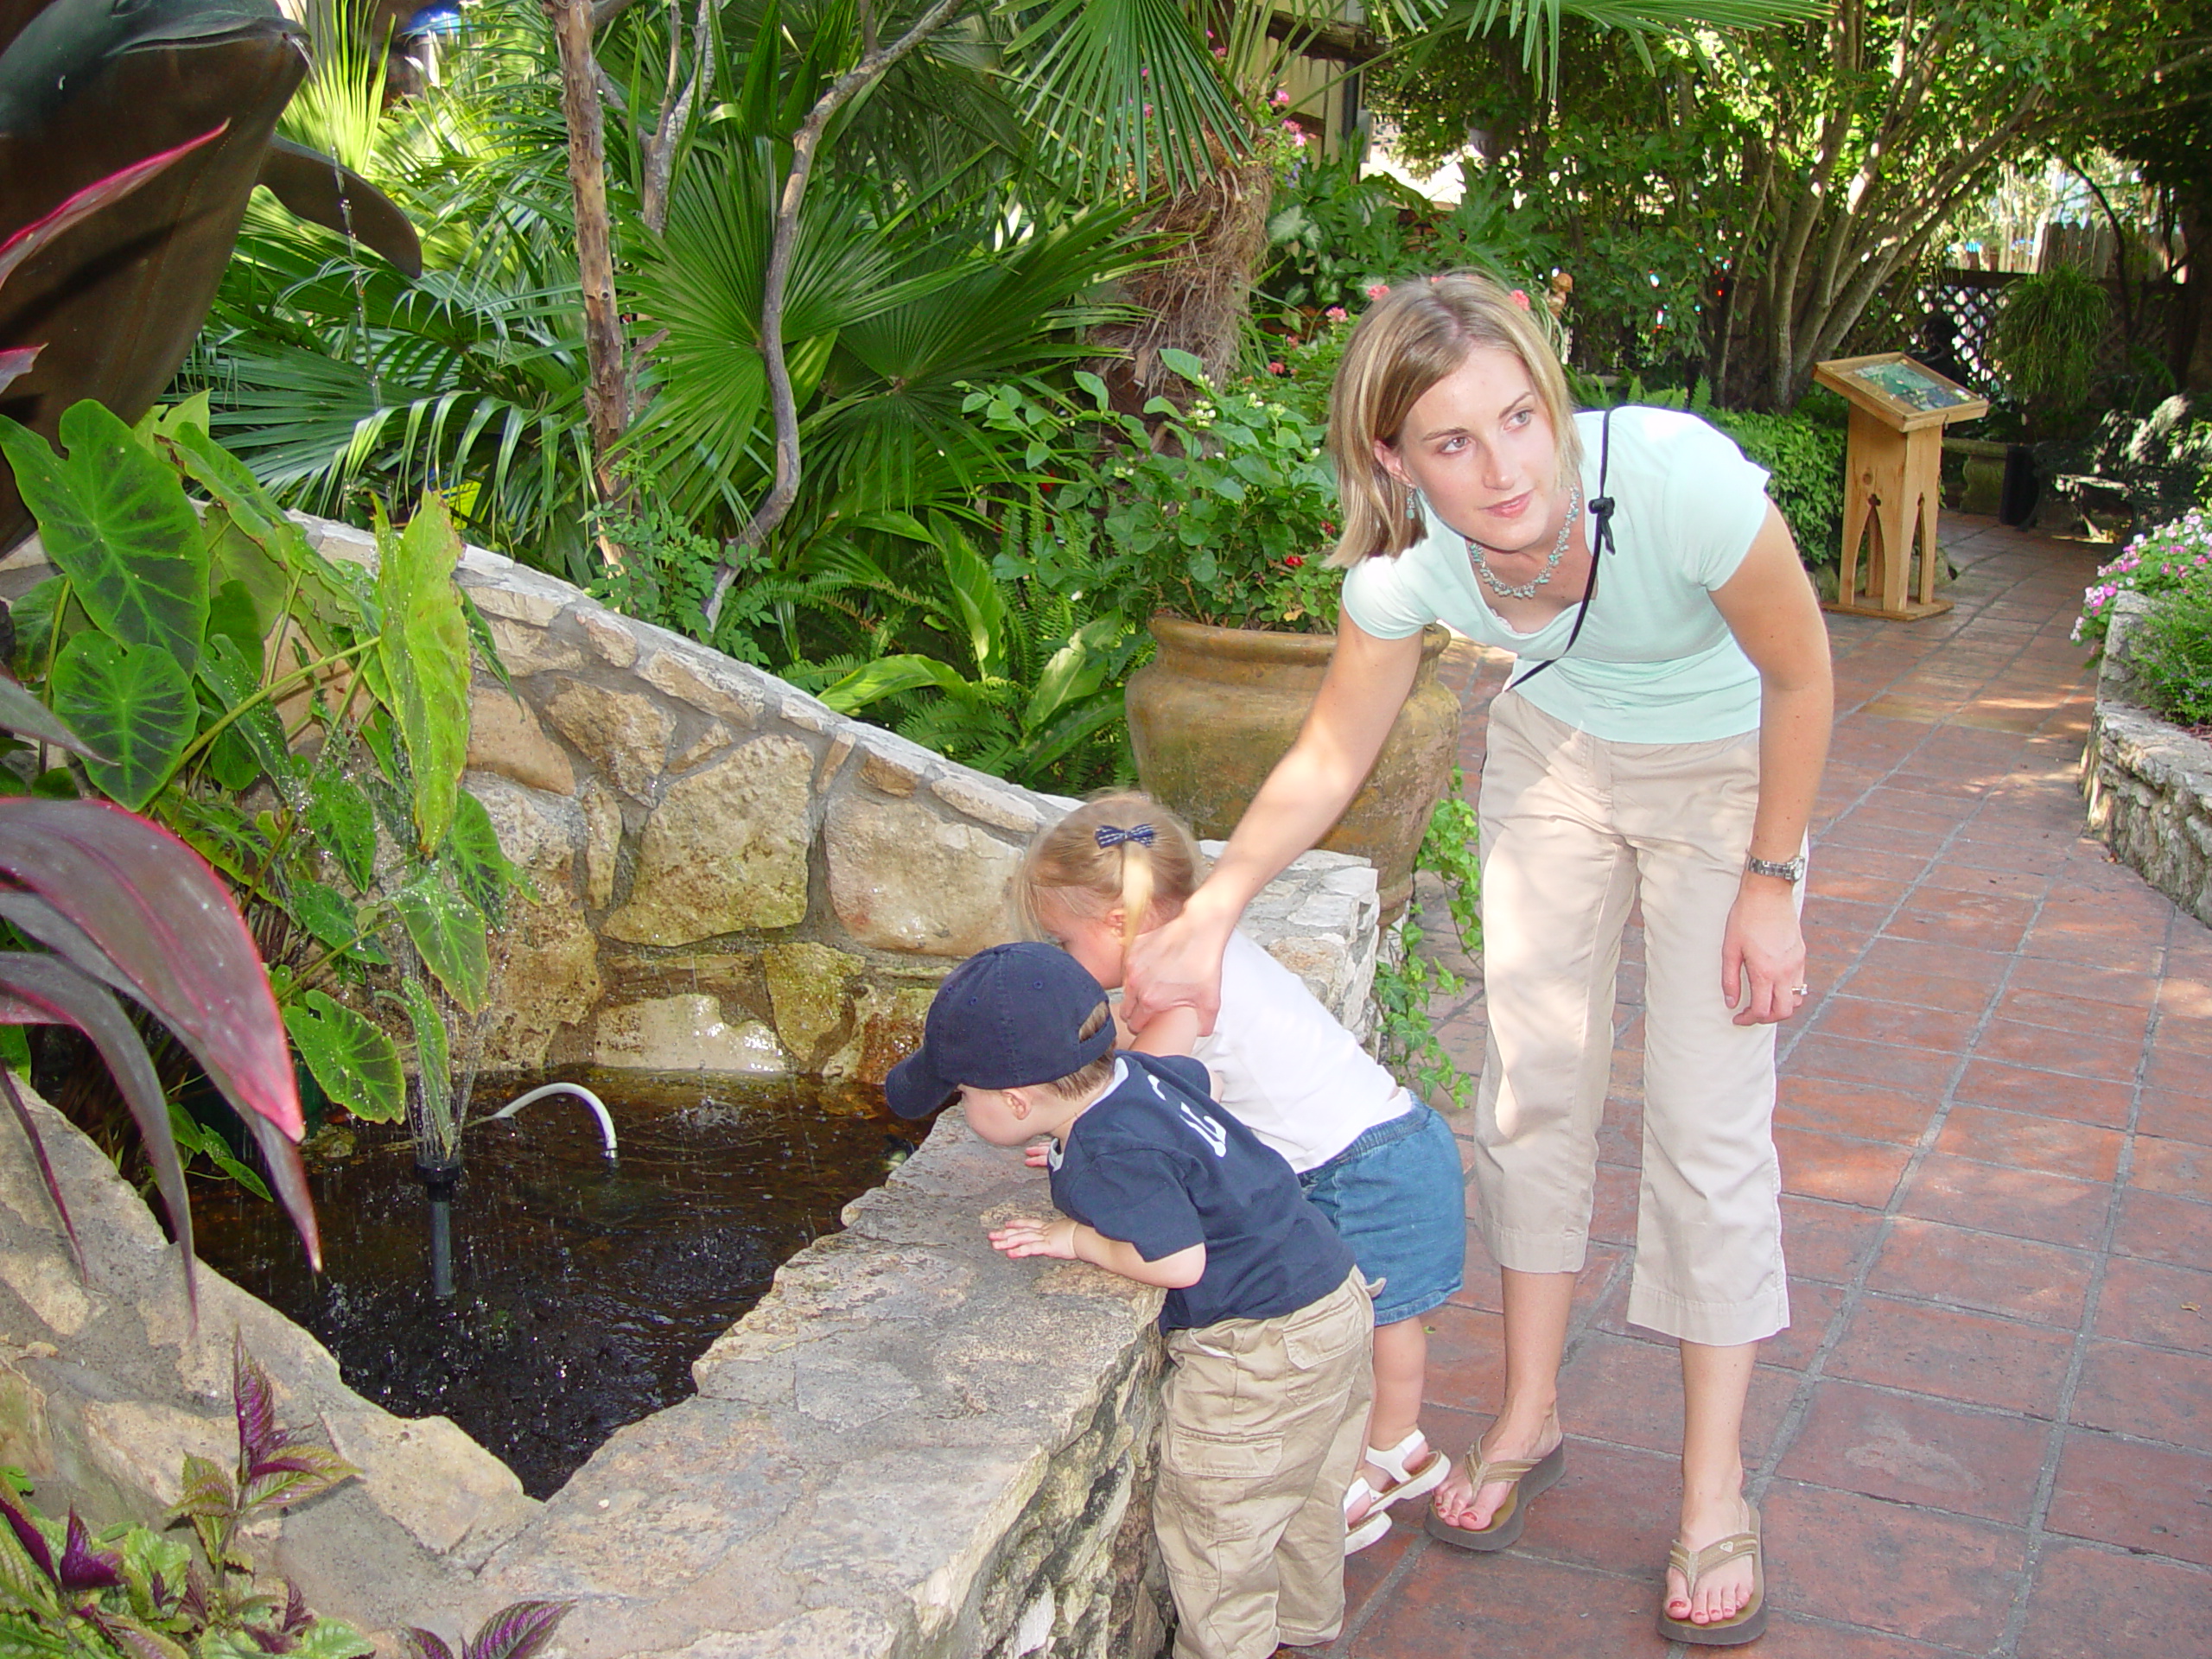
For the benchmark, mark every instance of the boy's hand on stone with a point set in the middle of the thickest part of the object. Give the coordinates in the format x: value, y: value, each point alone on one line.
x: 1038, y: 1154
x: 1026, y: 1237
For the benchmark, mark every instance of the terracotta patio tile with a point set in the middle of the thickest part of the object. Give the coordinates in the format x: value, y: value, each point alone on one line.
x: 2085, y: 1100
x: 1955, y: 1356
x: 1630, y: 1393
x: 1452, y: 1601
x: 2001, y: 1198
x: 1613, y: 1510
x: 2017, y: 1277
x: 2157, y: 1227
x: 1366, y: 1573
x: 2075, y: 1053
x: 1910, y: 1450
x: 1798, y: 1635
x: 1909, y: 1572
x: 2050, y: 1144
x: 2142, y: 1497
x: 2183, y: 1168
x: 2086, y: 1015
x: 1851, y: 1108
x: 2146, y: 1392
x: 1979, y: 922
x: 2018, y: 884
x: 2148, y: 1301
x: 1466, y: 1354
x: 1839, y: 1167
x: 2099, y: 1604
x: 1862, y: 874
x: 1818, y: 1055
x: 2187, y: 1033
x: 2133, y: 949
x: 2183, y: 997
x: 2119, y: 986
x: 1896, y: 1020
x: 1826, y: 1240
x: 1898, y: 986
x: 2173, y: 1067
x: 1852, y: 831
x: 2182, y: 1115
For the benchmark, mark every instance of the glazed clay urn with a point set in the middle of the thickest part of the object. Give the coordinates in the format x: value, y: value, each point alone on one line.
x: 1215, y: 708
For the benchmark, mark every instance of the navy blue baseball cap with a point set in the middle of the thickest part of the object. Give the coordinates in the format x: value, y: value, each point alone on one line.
x: 1006, y: 1018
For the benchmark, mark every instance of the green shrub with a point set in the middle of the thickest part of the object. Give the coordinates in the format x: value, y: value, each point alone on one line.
x: 2045, y: 341
x: 2170, y: 651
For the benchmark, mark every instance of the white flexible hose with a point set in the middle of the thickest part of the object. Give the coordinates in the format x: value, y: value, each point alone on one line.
x: 597, y: 1107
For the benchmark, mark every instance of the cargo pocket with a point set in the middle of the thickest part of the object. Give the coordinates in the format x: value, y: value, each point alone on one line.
x: 1200, y: 1454
x: 1320, y: 1336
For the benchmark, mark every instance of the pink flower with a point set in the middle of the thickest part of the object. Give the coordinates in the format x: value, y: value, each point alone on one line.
x: 1277, y: 368
x: 1337, y: 313
x: 1521, y: 298
x: 1280, y: 97
x: 1293, y: 560
x: 1377, y: 290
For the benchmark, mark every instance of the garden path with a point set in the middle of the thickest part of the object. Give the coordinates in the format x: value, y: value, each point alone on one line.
x: 1989, y: 1431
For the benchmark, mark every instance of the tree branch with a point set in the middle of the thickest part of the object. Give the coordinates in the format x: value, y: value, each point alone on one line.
x: 778, y: 502
x: 606, y: 398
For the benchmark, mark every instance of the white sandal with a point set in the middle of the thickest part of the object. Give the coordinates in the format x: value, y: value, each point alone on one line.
x: 1404, y: 1483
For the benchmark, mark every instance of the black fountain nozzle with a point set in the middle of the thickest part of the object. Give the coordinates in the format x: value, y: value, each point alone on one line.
x: 440, y: 1181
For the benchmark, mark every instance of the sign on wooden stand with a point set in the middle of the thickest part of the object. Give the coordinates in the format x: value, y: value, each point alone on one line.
x: 1893, y: 481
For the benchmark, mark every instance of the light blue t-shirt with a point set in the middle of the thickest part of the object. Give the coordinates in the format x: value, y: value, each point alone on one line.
x: 1656, y: 662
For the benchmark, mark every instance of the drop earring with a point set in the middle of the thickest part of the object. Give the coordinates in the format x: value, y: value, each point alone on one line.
x: 1413, y: 507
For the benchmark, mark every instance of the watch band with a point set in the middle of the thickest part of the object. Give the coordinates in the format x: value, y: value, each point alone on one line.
x: 1788, y: 869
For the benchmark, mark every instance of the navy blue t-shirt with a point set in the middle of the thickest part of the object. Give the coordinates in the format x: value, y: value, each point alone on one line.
x: 1156, y: 1164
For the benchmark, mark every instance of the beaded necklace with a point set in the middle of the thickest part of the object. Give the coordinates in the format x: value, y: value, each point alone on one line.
x: 1528, y: 589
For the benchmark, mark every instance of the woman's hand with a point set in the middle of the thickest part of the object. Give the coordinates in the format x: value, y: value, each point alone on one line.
x: 1176, y: 965
x: 1763, y: 953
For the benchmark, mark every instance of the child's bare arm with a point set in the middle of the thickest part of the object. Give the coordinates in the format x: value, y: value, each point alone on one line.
x: 1072, y: 1241
x: 1172, y: 1031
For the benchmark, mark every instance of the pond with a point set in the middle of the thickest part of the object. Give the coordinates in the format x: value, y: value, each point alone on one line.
x: 583, y: 1289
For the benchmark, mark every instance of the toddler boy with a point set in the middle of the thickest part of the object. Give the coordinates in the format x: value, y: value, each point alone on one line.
x: 1267, y: 1323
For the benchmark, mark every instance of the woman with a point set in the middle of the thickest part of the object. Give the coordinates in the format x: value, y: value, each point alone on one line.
x: 1662, y: 741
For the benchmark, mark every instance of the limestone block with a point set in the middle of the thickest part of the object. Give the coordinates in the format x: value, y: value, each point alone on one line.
x: 725, y: 849
x: 602, y: 843
x: 903, y: 879
x: 989, y: 801
x: 542, y: 833
x: 623, y: 733
x: 715, y: 737
x: 832, y: 758
x: 505, y: 736
x: 806, y: 984
x: 336, y: 541
x: 820, y: 1633
x: 883, y: 772
x: 49, y: 1288
x: 516, y: 602
x: 685, y: 1034
x: 524, y: 649
x: 611, y: 640
x: 141, y: 1445
x: 547, y: 979
x: 886, y: 1029
x: 437, y: 1483
x: 705, y: 681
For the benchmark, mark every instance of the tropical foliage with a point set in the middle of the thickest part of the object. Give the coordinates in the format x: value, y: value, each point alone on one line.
x: 300, y: 724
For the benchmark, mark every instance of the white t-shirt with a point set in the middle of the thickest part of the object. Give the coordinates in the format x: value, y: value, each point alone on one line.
x: 1284, y: 1068
x: 1656, y: 662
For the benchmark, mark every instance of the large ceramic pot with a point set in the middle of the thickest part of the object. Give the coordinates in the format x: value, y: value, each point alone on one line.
x: 1215, y: 708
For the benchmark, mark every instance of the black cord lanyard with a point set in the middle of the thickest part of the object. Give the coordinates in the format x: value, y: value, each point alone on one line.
x: 1601, y: 543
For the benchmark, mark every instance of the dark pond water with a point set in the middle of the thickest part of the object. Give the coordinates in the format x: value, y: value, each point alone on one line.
x: 583, y: 1291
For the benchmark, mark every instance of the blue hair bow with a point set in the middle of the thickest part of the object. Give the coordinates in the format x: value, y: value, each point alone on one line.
x: 1143, y: 834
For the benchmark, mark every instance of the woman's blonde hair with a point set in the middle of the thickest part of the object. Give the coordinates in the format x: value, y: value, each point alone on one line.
x: 1415, y: 335
x: 1150, y: 859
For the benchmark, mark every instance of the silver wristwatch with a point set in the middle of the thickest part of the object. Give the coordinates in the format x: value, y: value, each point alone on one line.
x: 1789, y: 869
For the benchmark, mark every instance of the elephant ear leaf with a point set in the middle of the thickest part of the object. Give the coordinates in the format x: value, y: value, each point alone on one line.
x: 134, y: 702
x: 357, y: 1065
x: 423, y: 651
x: 450, y: 934
x: 115, y: 521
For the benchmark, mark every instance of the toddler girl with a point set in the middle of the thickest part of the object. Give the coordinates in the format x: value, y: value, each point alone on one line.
x: 1381, y: 1165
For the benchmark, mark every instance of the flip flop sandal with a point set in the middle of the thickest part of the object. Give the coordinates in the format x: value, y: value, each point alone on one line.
x: 1749, y: 1624
x: 1528, y: 1478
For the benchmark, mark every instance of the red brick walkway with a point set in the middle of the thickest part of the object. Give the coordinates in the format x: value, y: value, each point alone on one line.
x: 1989, y: 1431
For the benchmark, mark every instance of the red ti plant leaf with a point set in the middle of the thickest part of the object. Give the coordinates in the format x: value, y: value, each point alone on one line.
x: 38, y: 1147
x: 517, y: 1631
x: 89, y: 199
x: 84, y: 1568
x: 16, y: 362
x: 157, y: 912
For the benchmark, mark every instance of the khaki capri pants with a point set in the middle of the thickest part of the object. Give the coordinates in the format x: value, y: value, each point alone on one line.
x: 1574, y: 828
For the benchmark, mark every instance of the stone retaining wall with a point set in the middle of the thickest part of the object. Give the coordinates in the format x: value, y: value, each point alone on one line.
x: 2148, y: 783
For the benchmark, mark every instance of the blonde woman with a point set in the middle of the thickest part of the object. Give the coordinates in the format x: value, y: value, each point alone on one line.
x: 1661, y: 743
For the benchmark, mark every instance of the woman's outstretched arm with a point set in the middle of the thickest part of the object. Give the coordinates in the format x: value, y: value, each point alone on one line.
x: 1770, y: 606
x: 1179, y: 965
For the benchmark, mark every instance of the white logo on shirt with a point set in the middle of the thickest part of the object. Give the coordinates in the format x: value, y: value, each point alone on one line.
x: 1208, y: 1128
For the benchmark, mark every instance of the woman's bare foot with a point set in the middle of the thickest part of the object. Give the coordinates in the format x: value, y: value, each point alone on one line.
x: 1723, y: 1591
x: 1457, y: 1506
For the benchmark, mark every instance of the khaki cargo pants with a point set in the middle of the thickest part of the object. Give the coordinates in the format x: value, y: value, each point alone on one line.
x: 1264, y: 1421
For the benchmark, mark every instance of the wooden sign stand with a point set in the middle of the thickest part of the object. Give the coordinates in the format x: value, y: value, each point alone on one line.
x: 1892, y: 483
